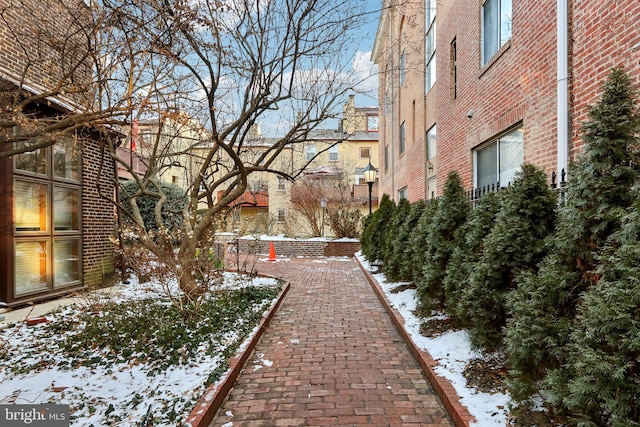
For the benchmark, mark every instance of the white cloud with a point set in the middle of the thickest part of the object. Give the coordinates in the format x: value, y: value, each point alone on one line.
x: 365, y: 73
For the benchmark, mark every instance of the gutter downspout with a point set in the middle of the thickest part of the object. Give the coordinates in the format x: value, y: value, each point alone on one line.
x: 392, y: 49
x: 563, y: 86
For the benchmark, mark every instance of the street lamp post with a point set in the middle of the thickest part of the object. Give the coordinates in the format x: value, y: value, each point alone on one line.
x: 370, y: 174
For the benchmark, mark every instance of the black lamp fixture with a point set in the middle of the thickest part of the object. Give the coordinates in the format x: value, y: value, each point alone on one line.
x: 370, y: 174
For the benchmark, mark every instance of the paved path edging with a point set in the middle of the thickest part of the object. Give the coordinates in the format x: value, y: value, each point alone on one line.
x: 443, y: 388
x: 205, y: 410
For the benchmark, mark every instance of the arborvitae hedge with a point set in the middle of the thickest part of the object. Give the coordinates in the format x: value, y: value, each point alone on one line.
x: 397, y: 241
x: 420, y: 240
x: 406, y: 234
x: 452, y: 211
x: 603, y: 363
x: 466, y: 253
x: 516, y: 242
x: 375, y: 228
x: 545, y: 305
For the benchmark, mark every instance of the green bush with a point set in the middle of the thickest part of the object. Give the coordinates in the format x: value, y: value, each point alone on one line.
x: 396, y: 242
x: 545, y: 306
x: 516, y: 242
x: 420, y: 240
x: 375, y: 229
x: 603, y: 364
x: 467, y: 252
x: 404, y: 250
x: 172, y: 217
x: 451, y: 213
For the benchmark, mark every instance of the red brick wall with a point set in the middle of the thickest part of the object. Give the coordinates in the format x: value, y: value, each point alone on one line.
x: 517, y: 85
x: 304, y: 248
x: 47, y: 38
x: 605, y: 34
x: 98, y: 220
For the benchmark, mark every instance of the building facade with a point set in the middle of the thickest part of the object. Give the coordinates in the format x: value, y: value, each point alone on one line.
x: 333, y: 161
x: 502, y: 81
x: 55, y: 225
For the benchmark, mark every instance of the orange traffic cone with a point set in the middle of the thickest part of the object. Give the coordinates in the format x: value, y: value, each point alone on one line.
x: 272, y: 252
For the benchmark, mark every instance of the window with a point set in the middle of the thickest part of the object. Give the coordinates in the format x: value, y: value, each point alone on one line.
x: 454, y: 69
x: 311, y: 152
x: 402, y: 138
x: 498, y: 161
x: 334, y: 153
x: 281, y: 184
x: 430, y: 44
x: 403, y: 71
x: 46, y: 208
x: 365, y: 152
x: 496, y: 27
x: 386, y: 157
x: 372, y: 123
x: 402, y: 193
x: 432, y: 188
x: 281, y: 215
x: 431, y: 143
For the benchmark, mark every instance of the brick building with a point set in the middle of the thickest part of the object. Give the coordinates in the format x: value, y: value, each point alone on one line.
x: 504, y: 81
x: 55, y: 224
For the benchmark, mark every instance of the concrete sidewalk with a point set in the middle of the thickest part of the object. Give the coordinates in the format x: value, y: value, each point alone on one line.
x: 331, y: 356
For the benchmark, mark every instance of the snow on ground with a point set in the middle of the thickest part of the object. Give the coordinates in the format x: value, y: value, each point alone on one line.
x: 95, y: 392
x: 452, y: 350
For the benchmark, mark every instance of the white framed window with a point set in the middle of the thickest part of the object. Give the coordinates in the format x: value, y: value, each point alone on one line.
x: 281, y: 184
x: 311, y: 151
x: 402, y: 193
x: 431, y: 143
x: 281, y: 214
x: 372, y: 123
x: 432, y: 187
x: 430, y: 44
x: 496, y: 27
x: 498, y: 161
x: 334, y: 153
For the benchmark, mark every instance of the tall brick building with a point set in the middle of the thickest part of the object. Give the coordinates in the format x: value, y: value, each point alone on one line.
x: 54, y: 224
x: 481, y: 86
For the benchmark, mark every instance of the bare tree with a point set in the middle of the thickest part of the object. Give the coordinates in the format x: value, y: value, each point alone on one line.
x: 228, y: 65
x: 231, y: 65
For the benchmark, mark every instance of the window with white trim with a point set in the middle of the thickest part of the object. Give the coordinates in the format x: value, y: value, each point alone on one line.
x: 496, y: 27
x: 334, y: 153
x: 402, y: 193
x: 281, y: 184
x: 498, y: 161
x: 281, y: 215
x: 430, y: 44
x: 311, y: 151
x: 431, y: 143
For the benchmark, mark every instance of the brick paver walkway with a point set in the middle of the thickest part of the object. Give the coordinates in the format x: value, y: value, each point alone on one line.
x: 331, y: 356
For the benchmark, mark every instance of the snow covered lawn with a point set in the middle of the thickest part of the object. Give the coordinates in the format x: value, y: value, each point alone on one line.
x: 128, y: 355
x: 452, y: 350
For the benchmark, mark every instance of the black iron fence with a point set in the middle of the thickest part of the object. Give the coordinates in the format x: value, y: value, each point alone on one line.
x: 561, y: 187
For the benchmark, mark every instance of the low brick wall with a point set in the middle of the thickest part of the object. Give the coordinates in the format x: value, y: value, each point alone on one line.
x: 300, y: 248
